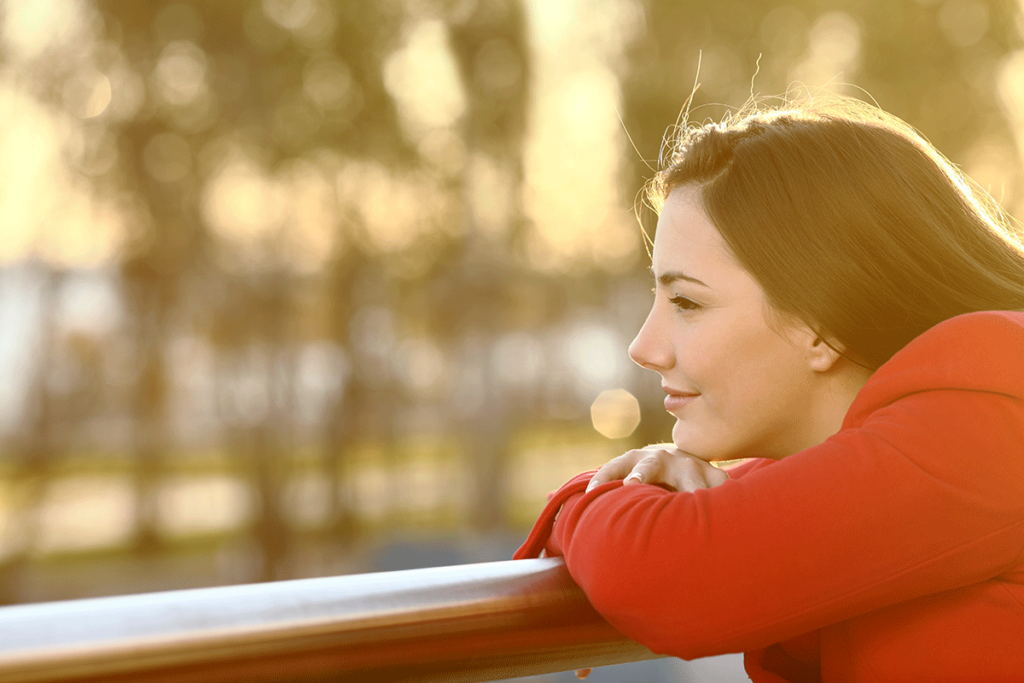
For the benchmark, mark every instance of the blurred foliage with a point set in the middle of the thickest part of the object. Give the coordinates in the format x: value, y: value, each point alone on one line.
x: 330, y: 244
x: 935, y: 64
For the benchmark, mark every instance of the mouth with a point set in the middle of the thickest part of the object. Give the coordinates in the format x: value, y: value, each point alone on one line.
x: 676, y: 399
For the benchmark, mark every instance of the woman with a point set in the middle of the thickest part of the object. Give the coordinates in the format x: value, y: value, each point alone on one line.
x: 835, y: 306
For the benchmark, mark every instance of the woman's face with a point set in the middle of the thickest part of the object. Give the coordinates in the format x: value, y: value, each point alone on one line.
x: 737, y: 387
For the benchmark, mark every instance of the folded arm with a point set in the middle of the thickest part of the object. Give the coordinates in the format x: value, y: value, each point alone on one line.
x: 911, y: 503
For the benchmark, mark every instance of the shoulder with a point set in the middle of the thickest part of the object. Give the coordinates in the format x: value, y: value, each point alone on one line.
x: 998, y: 329
x: 981, y: 351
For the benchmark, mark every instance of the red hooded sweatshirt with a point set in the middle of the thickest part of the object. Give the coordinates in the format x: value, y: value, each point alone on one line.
x: 893, y: 551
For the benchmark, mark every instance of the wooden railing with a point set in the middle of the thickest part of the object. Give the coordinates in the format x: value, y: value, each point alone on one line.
x: 466, y: 623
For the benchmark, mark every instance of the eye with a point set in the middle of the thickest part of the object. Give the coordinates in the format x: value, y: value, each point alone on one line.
x: 684, y: 304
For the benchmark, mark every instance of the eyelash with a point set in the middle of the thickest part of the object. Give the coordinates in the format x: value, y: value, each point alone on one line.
x: 682, y: 303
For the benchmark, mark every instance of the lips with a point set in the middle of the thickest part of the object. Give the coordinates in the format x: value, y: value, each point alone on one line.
x: 677, y: 400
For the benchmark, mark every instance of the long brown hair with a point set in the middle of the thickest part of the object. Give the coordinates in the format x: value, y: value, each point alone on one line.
x: 850, y: 221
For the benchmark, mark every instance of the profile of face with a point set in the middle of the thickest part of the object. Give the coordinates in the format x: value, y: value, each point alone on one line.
x: 737, y: 385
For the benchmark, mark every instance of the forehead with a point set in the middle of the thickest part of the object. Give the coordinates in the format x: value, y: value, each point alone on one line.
x: 687, y: 239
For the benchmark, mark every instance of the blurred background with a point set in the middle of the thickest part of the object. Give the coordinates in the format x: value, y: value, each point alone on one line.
x: 295, y: 288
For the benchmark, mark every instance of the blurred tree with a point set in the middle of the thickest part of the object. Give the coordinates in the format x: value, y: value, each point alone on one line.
x: 272, y: 80
x: 491, y: 49
x: 37, y: 451
x: 280, y: 190
x: 934, y: 64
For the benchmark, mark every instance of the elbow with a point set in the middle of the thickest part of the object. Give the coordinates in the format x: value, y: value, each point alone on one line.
x: 670, y: 606
x: 669, y: 618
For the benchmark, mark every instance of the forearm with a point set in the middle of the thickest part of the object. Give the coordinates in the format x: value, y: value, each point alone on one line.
x: 854, y: 526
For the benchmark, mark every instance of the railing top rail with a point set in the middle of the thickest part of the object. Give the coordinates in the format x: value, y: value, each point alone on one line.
x: 470, y: 623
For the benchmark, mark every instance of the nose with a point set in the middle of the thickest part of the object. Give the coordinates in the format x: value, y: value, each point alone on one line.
x: 652, y: 348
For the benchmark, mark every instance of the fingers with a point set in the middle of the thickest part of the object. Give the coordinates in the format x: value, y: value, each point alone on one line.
x: 647, y: 470
x: 715, y: 476
x: 616, y: 468
x: 582, y: 673
x: 670, y: 468
x: 688, y: 474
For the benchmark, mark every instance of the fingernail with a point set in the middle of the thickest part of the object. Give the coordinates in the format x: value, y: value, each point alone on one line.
x: 634, y: 477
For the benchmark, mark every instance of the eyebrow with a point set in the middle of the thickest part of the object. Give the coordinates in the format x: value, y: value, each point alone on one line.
x: 666, y: 279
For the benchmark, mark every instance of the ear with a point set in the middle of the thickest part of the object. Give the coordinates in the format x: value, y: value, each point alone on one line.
x: 821, y: 356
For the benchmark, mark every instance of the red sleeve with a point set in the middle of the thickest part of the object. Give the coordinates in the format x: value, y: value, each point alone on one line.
x: 924, y: 495
x: 540, y: 534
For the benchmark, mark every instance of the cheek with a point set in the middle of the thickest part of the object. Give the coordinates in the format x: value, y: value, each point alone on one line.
x: 724, y: 358
x: 701, y: 360
x: 742, y: 371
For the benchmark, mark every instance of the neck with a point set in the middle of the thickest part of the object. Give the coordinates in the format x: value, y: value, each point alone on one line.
x: 828, y: 406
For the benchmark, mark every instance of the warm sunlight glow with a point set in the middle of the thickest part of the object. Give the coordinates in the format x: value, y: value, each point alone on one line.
x: 597, y: 355
x: 195, y: 505
x: 88, y: 95
x: 615, y: 413
x: 180, y: 74
x: 574, y: 150
x: 243, y: 203
x: 421, y: 77
x: 395, y: 209
x: 85, y: 512
x: 833, y: 52
x: 491, y: 195
x: 31, y: 26
x: 964, y: 22
x: 313, y: 216
x: 1011, y: 97
x: 45, y: 211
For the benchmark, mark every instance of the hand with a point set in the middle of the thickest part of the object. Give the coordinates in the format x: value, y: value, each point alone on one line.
x: 663, y: 465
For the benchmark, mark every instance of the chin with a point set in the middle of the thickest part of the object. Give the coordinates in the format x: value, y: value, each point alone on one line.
x: 699, y: 446
x: 691, y: 446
